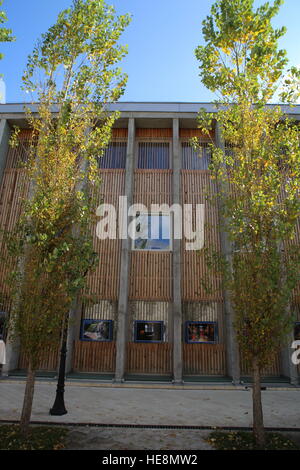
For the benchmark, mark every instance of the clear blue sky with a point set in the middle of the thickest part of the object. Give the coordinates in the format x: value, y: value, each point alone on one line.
x: 161, y: 38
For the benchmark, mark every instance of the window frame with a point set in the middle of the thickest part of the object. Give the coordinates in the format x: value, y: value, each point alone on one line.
x: 198, y: 322
x: 167, y: 250
x: 161, y: 322
x: 96, y: 320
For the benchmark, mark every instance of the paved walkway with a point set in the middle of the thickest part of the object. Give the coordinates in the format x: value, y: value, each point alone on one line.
x: 94, y: 403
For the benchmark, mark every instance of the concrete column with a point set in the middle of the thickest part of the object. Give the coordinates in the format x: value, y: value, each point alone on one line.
x: 177, y: 304
x: 12, y: 348
x: 289, y: 369
x: 4, y: 143
x: 12, y: 356
x: 122, y: 326
x: 232, y: 350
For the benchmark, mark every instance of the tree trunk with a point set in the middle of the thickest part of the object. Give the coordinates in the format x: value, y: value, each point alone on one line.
x: 28, y: 399
x: 258, y: 421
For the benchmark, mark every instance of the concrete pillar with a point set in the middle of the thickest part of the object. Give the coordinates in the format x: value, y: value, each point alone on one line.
x: 122, y: 326
x: 12, y: 347
x: 177, y: 304
x: 232, y: 350
x: 4, y: 143
x: 12, y: 356
x: 288, y: 369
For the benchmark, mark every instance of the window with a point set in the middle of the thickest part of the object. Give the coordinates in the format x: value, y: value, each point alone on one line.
x: 96, y: 330
x: 152, y: 232
x: 114, y: 156
x: 297, y: 330
x: 153, y: 155
x: 200, y: 332
x: 148, y: 332
x: 192, y: 160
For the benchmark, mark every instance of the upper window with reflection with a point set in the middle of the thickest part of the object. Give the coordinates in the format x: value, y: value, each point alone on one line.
x: 152, y: 232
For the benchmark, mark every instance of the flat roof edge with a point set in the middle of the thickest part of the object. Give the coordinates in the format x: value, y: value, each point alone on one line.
x: 145, y: 107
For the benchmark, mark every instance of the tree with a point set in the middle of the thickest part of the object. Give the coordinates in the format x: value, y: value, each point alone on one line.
x: 72, y: 75
x: 5, y: 33
x: 258, y: 177
x: 5, y: 36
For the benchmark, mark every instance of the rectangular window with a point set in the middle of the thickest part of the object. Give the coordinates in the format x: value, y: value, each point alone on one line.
x: 192, y: 160
x: 154, y: 155
x: 96, y: 330
x: 148, y: 331
x: 297, y: 330
x: 200, y: 332
x: 152, y: 232
x: 114, y: 156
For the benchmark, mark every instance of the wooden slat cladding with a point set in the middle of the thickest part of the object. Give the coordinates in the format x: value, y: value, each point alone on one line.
x: 153, y: 155
x: 163, y: 133
x: 104, y: 280
x: 152, y: 187
x: 18, y: 155
x: 151, y: 272
x: 189, y: 133
x: 192, y: 160
x: 205, y: 311
x: 13, y: 193
x: 49, y: 361
x: 198, y: 281
x: 273, y: 369
x: 291, y: 243
x: 148, y: 311
x: 95, y: 356
x: 151, y: 276
x: 143, y: 358
x: 204, y: 359
x: 119, y: 133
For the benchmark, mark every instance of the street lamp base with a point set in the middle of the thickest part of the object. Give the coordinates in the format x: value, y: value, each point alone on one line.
x: 58, y: 408
x: 58, y: 411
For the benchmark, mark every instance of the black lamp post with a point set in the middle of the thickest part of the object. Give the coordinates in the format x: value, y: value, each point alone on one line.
x: 59, y: 408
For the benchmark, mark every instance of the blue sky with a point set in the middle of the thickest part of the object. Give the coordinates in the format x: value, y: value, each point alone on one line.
x: 161, y: 38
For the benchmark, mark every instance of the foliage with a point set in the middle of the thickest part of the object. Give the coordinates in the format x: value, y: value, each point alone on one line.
x: 242, y: 440
x: 290, y: 89
x: 39, y: 438
x: 257, y: 172
x: 241, y: 57
x: 5, y: 33
x: 72, y: 75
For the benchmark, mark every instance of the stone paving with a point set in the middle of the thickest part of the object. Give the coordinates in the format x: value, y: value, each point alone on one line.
x: 111, y: 405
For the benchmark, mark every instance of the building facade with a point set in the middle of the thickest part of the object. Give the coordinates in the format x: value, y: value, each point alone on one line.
x: 147, y: 310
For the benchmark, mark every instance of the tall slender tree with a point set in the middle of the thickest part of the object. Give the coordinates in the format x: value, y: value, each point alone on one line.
x: 258, y: 176
x: 72, y: 75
